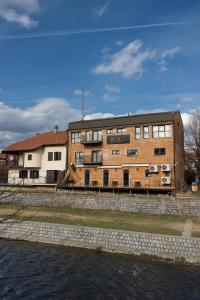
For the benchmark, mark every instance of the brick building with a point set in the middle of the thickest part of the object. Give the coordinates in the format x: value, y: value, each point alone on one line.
x: 138, y: 152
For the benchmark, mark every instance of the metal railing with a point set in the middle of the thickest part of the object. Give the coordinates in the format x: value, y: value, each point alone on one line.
x: 91, y: 139
x: 93, y: 159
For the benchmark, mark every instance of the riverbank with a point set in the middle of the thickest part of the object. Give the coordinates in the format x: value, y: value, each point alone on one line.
x: 118, y: 241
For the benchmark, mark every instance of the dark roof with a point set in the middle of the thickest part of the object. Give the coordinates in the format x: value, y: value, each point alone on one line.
x: 161, y: 117
x: 39, y: 140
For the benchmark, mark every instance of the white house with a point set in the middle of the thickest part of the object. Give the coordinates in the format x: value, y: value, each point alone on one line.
x: 40, y: 158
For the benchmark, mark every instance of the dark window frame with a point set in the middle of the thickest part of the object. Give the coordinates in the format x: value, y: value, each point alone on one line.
x: 57, y: 156
x: 34, y: 174
x: 21, y: 174
x: 50, y: 156
x: 159, y: 151
x: 133, y: 150
x: 30, y: 156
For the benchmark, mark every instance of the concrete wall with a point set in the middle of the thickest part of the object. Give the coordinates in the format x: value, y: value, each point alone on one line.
x: 108, y: 240
x: 110, y: 202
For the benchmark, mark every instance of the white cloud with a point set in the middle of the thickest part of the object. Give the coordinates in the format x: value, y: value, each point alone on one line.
x: 186, y: 118
x: 19, y: 11
x: 79, y: 92
x: 167, y: 54
x: 98, y: 116
x: 40, y: 117
x: 163, y: 66
x: 170, y: 52
x: 111, y: 91
x: 99, y: 11
x: 127, y: 62
x: 17, y: 123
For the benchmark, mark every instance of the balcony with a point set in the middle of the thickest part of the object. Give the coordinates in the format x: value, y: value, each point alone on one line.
x: 90, y: 139
x: 93, y: 160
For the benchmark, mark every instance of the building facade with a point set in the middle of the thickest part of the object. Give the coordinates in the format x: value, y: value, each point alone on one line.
x: 137, y: 152
x: 40, y: 159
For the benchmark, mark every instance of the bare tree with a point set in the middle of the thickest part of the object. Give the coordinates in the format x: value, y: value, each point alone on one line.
x: 192, y: 143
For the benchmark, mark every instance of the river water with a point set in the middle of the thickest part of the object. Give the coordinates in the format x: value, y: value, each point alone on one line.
x: 36, y: 271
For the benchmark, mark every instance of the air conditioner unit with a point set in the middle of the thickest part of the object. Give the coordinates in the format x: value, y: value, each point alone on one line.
x: 166, y: 167
x: 153, y: 168
x: 166, y: 180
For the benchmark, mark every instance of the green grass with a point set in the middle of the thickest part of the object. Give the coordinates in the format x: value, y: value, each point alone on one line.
x: 196, y: 234
x: 160, y: 224
x: 121, y: 225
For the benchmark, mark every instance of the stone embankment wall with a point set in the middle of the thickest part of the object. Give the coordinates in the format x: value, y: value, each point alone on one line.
x: 121, y: 202
x: 106, y: 239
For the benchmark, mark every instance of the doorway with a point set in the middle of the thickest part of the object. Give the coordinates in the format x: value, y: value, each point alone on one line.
x: 52, y: 176
x: 87, y: 178
x: 126, y: 178
x: 105, y: 178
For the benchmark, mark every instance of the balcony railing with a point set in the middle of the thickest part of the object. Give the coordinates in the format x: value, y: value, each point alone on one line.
x: 91, y: 139
x: 92, y: 160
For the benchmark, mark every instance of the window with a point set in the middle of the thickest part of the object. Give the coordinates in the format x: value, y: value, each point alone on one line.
x: 159, y: 151
x: 50, y: 156
x: 76, y: 137
x: 109, y: 131
x: 96, y: 156
x: 147, y: 173
x: 57, y: 155
x: 29, y: 156
x: 137, y: 133
x: 162, y: 131
x: 145, y: 132
x: 34, y: 174
x: 115, y: 152
x: 132, y: 152
x: 121, y: 130
x: 23, y: 174
x: 78, y: 157
x: 97, y: 134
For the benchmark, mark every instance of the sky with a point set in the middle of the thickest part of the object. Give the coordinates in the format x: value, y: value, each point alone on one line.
x: 129, y: 57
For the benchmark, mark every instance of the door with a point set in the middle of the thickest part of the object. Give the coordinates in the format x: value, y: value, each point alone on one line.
x: 52, y: 176
x: 105, y: 177
x: 87, y: 177
x: 126, y: 178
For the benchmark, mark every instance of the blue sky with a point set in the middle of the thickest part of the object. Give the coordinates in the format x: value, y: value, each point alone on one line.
x: 122, y: 71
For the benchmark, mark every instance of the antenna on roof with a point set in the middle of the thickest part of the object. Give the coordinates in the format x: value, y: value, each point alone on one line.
x: 55, y: 128
x: 83, y: 103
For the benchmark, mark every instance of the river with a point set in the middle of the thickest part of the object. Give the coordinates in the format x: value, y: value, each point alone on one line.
x: 37, y: 271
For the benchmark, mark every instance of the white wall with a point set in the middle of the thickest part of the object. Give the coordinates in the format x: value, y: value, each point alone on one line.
x: 39, y: 161
x: 36, y: 159
x: 53, y: 165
